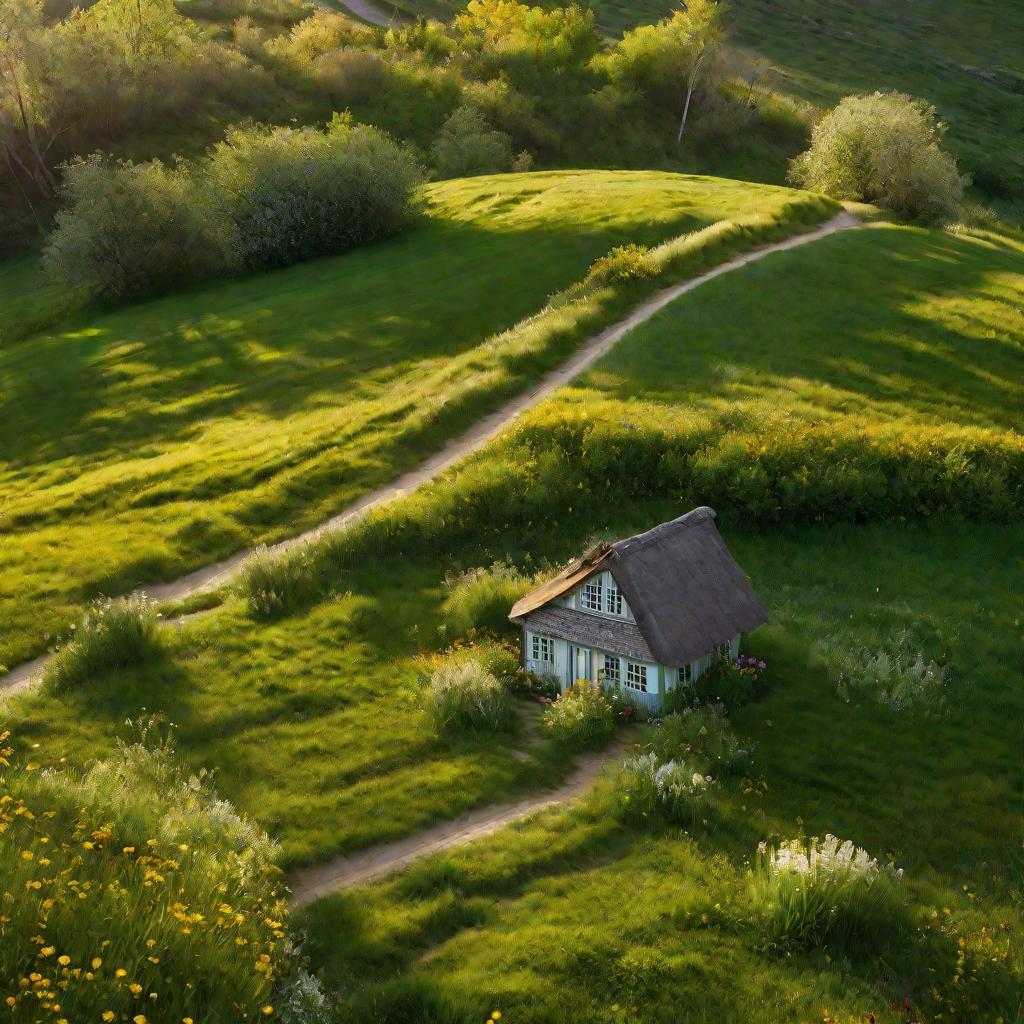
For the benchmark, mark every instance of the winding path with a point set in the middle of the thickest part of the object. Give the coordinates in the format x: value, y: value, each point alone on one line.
x: 362, y: 9
x: 313, y: 883
x: 212, y: 576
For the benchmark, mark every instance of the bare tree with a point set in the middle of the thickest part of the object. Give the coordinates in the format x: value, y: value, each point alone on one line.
x: 700, y: 23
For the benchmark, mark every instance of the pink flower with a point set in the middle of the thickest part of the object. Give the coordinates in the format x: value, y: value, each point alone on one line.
x: 762, y: 664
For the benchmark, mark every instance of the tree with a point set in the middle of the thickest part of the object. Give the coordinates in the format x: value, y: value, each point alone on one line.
x: 656, y: 60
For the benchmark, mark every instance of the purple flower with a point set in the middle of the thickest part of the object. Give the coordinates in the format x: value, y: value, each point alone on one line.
x: 762, y: 664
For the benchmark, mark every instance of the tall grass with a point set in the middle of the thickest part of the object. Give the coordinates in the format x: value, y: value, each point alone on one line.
x: 134, y: 892
x: 651, y: 791
x: 582, y: 718
x: 815, y: 893
x: 480, y: 599
x: 706, y: 737
x: 112, y: 633
x: 465, y: 695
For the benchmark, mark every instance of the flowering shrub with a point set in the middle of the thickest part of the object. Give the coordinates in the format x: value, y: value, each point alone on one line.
x: 134, y: 893
x: 894, y: 675
x: 732, y: 683
x: 464, y: 695
x: 111, y: 634
x: 651, y: 791
x: 581, y: 718
x: 809, y: 892
x: 705, y: 736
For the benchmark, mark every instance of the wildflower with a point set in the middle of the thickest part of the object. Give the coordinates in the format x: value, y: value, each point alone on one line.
x: 64, y: 960
x: 96, y: 963
x: 47, y: 951
x: 120, y: 973
x: 109, y: 1015
x: 139, y: 1018
x: 135, y: 988
x: 267, y: 1011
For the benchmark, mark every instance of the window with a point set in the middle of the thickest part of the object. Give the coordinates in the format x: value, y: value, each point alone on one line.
x: 611, y: 674
x: 724, y: 652
x: 686, y: 673
x: 592, y: 595
x: 613, y: 597
x: 636, y: 676
x: 542, y: 648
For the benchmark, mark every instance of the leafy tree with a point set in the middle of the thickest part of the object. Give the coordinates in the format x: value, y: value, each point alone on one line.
x: 673, y: 58
x: 468, y: 145
x: 884, y: 148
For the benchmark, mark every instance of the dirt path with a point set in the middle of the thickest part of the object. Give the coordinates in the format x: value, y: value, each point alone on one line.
x: 313, y: 883
x: 212, y: 576
x: 363, y: 9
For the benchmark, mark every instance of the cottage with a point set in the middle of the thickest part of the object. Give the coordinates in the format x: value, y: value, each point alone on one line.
x: 647, y: 613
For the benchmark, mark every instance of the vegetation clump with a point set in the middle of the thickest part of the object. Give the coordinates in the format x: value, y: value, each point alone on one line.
x: 480, y: 599
x: 629, y: 262
x: 886, y: 149
x: 112, y: 633
x: 468, y: 145
x: 464, y: 695
x: 134, y: 892
x: 651, y: 791
x: 705, y: 736
x: 582, y: 718
x: 264, y: 197
x: 895, y: 674
x: 816, y: 892
x: 275, y: 583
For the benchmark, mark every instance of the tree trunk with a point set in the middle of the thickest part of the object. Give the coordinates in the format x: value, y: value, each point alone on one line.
x: 691, y: 84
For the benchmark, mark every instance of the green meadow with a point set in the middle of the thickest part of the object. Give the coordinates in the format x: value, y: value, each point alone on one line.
x: 140, y: 442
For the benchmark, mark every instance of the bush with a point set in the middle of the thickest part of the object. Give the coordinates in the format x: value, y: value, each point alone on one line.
x: 130, y: 229
x: 705, y: 737
x: 623, y: 263
x: 731, y: 683
x: 810, y: 892
x: 884, y: 149
x: 276, y: 583
x: 652, y: 791
x: 134, y: 890
x: 113, y: 633
x: 480, y: 599
x: 582, y: 718
x: 468, y: 145
x: 297, y: 193
x: 895, y: 674
x: 465, y: 695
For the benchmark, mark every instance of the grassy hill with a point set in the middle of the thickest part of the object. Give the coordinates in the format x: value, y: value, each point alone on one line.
x: 775, y: 394
x: 139, y: 442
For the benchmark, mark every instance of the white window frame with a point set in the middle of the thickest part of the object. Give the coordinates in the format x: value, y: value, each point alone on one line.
x: 613, y: 599
x: 593, y: 591
x: 636, y: 676
x: 686, y: 672
x: 613, y: 660
x: 542, y: 649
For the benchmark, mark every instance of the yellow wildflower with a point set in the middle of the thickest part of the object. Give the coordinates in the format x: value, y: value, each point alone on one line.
x: 267, y: 1011
x: 47, y: 951
x: 109, y: 1015
x: 96, y: 963
x: 135, y: 988
x: 120, y: 973
x: 139, y: 1018
x: 64, y: 960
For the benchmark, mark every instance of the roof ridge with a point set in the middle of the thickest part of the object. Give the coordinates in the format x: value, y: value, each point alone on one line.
x: 641, y: 540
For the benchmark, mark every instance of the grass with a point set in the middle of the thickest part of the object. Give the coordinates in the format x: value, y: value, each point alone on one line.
x: 575, y: 917
x: 141, y: 442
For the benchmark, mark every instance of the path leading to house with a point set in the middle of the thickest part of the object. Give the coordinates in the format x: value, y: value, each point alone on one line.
x: 213, y: 576
x: 313, y: 883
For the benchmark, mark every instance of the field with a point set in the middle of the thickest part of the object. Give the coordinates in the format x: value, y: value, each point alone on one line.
x: 195, y: 425
x: 577, y: 918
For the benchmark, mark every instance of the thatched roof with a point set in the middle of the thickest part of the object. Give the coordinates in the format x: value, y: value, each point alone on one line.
x: 685, y: 589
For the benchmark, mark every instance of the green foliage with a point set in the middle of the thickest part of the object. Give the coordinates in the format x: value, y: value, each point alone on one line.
x: 704, y: 736
x: 731, y: 683
x: 297, y: 193
x: 651, y: 791
x: 815, y: 893
x: 582, y: 718
x: 480, y: 599
x: 276, y: 583
x: 265, y: 197
x: 659, y: 61
x: 134, y: 888
x: 894, y: 673
x: 468, y: 145
x: 110, y: 634
x: 623, y: 263
x: 138, y: 229
x: 465, y: 695
x: 884, y: 149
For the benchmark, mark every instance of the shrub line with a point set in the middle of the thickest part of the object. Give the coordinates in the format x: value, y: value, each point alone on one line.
x: 211, y: 577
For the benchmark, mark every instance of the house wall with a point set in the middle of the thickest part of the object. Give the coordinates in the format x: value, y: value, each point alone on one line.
x: 660, y: 678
